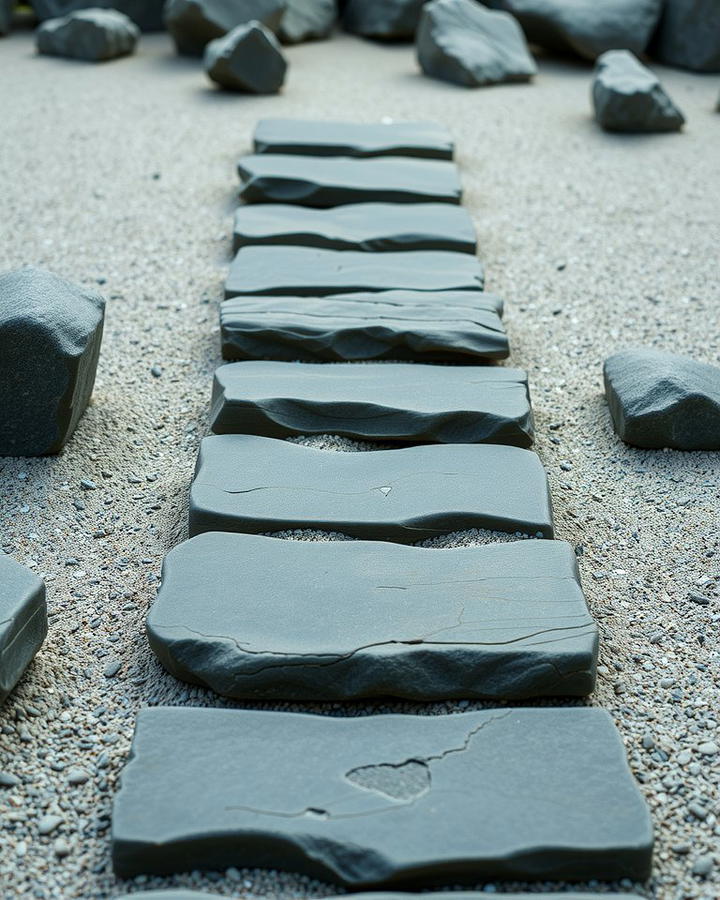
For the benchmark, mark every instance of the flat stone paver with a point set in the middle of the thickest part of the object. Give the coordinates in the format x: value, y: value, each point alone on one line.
x: 324, y: 182
x: 371, y: 227
x: 256, y: 617
x: 255, y: 484
x: 359, y: 139
x: 376, y: 401
x: 378, y: 801
x: 320, y: 329
x: 23, y: 621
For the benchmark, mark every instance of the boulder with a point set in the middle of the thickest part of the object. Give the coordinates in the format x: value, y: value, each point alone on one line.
x: 50, y: 334
x: 146, y: 14
x: 307, y: 20
x: 689, y: 35
x: 6, y: 14
x: 248, y: 58
x: 194, y: 23
x: 385, y: 20
x: 94, y: 35
x: 464, y: 43
x: 660, y: 399
x: 23, y: 621
x: 627, y: 96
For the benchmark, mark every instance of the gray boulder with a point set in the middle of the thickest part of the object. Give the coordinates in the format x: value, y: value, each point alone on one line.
x: 194, y: 23
x: 385, y: 20
x: 464, y: 43
x: 50, y: 334
x: 146, y: 14
x: 689, y: 35
x: 627, y: 96
x: 6, y: 14
x: 307, y: 20
x: 249, y: 58
x: 94, y: 35
x: 23, y: 621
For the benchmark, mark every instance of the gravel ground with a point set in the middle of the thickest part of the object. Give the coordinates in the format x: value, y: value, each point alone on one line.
x: 122, y: 176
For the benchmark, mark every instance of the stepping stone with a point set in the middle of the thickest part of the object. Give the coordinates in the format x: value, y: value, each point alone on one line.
x: 23, y: 621
x: 358, y: 226
x: 308, y: 272
x: 248, y: 58
x: 307, y: 20
x: 93, y: 35
x: 382, y: 800
x: 660, y: 399
x: 311, y: 137
x: 146, y: 14
x: 255, y: 485
x: 318, y: 329
x: 322, y: 182
x: 340, y: 620
x: 627, y: 96
x: 689, y: 35
x: 453, y: 895
x: 376, y: 401
x: 383, y: 20
x: 194, y: 23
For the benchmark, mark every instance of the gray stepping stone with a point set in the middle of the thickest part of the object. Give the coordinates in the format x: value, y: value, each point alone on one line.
x: 318, y: 329
x: 257, y: 617
x: 194, y: 23
x: 308, y: 272
x: 462, y: 42
x: 146, y: 14
x: 358, y: 226
x: 384, y: 20
x: 660, y: 399
x: 689, y: 35
x: 307, y: 20
x: 248, y: 58
x: 312, y: 137
x: 23, y: 621
x: 256, y: 485
x: 390, y: 800
x: 50, y: 334
x: 94, y: 35
x: 318, y: 181
x: 627, y: 96
x: 376, y: 401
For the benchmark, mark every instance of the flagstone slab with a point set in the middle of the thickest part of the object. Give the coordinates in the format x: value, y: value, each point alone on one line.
x: 325, y: 182
x: 307, y: 272
x: 317, y: 329
x: 358, y: 226
x: 385, y: 801
x: 23, y: 621
x: 375, y: 401
x: 428, y: 140
x: 251, y: 484
x: 260, y: 618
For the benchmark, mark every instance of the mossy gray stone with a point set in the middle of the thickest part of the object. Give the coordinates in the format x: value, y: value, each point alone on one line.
x: 94, y: 35
x: 23, y: 621
x: 194, y: 23
x: 386, y: 20
x: 307, y: 20
x: 146, y: 14
x: 627, y: 96
x: 688, y: 35
x: 248, y: 58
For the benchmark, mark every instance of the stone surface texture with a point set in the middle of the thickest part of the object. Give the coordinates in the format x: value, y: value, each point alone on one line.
x: 94, y: 35
x: 689, y: 35
x: 462, y: 42
x: 257, y: 485
x: 248, y: 58
x: 146, y: 14
x: 659, y: 399
x: 307, y: 20
x: 387, y: 20
x: 23, y: 621
x: 50, y: 334
x: 194, y: 23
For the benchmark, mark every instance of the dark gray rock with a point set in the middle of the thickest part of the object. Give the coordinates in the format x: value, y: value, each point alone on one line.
x: 94, y: 35
x: 194, y: 23
x: 307, y: 272
x: 257, y: 485
x: 318, y: 329
x: 462, y: 42
x: 50, y: 334
x: 248, y: 58
x: 358, y: 226
x: 307, y: 20
x: 385, y: 20
x: 23, y: 621
x: 689, y: 35
x: 6, y: 15
x: 146, y: 14
x: 372, y: 801
x: 312, y: 137
x: 627, y: 96
x: 316, y: 181
x: 660, y: 399
x: 376, y: 401
x: 453, y: 895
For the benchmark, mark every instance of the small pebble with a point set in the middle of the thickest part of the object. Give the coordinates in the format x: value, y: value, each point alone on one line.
x: 703, y: 866
x: 48, y: 824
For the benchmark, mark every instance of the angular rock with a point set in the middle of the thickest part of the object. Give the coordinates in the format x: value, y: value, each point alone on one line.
x: 307, y: 272
x: 6, y: 15
x: 689, y: 35
x: 313, y: 181
x: 307, y: 20
x: 50, y: 334
x: 258, y: 485
x: 194, y: 23
x: 379, y: 800
x: 660, y: 399
x: 23, y: 621
x: 94, y: 35
x: 248, y: 58
x: 312, y: 137
x: 462, y: 42
x: 318, y: 329
x: 146, y: 14
x: 385, y: 20
x: 627, y: 96
x: 358, y: 226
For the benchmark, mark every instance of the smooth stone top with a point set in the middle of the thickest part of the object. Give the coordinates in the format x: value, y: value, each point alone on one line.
x: 327, y: 138
x: 23, y: 620
x: 256, y: 485
x: 475, y: 300
x: 382, y: 800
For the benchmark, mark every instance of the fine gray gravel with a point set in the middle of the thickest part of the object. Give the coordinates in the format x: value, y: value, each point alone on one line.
x: 598, y: 242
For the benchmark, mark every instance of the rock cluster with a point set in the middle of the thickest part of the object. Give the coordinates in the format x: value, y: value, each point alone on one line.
x: 146, y: 14
x: 194, y: 23
x: 95, y: 35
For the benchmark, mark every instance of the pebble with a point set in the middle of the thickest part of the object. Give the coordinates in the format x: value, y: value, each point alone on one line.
x: 703, y: 866
x: 112, y: 668
x: 77, y: 776
x: 61, y: 848
x: 700, y: 599
x: 709, y: 748
x: 48, y: 824
x: 8, y: 781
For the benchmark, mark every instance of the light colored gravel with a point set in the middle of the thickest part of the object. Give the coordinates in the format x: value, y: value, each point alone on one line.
x: 122, y: 174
